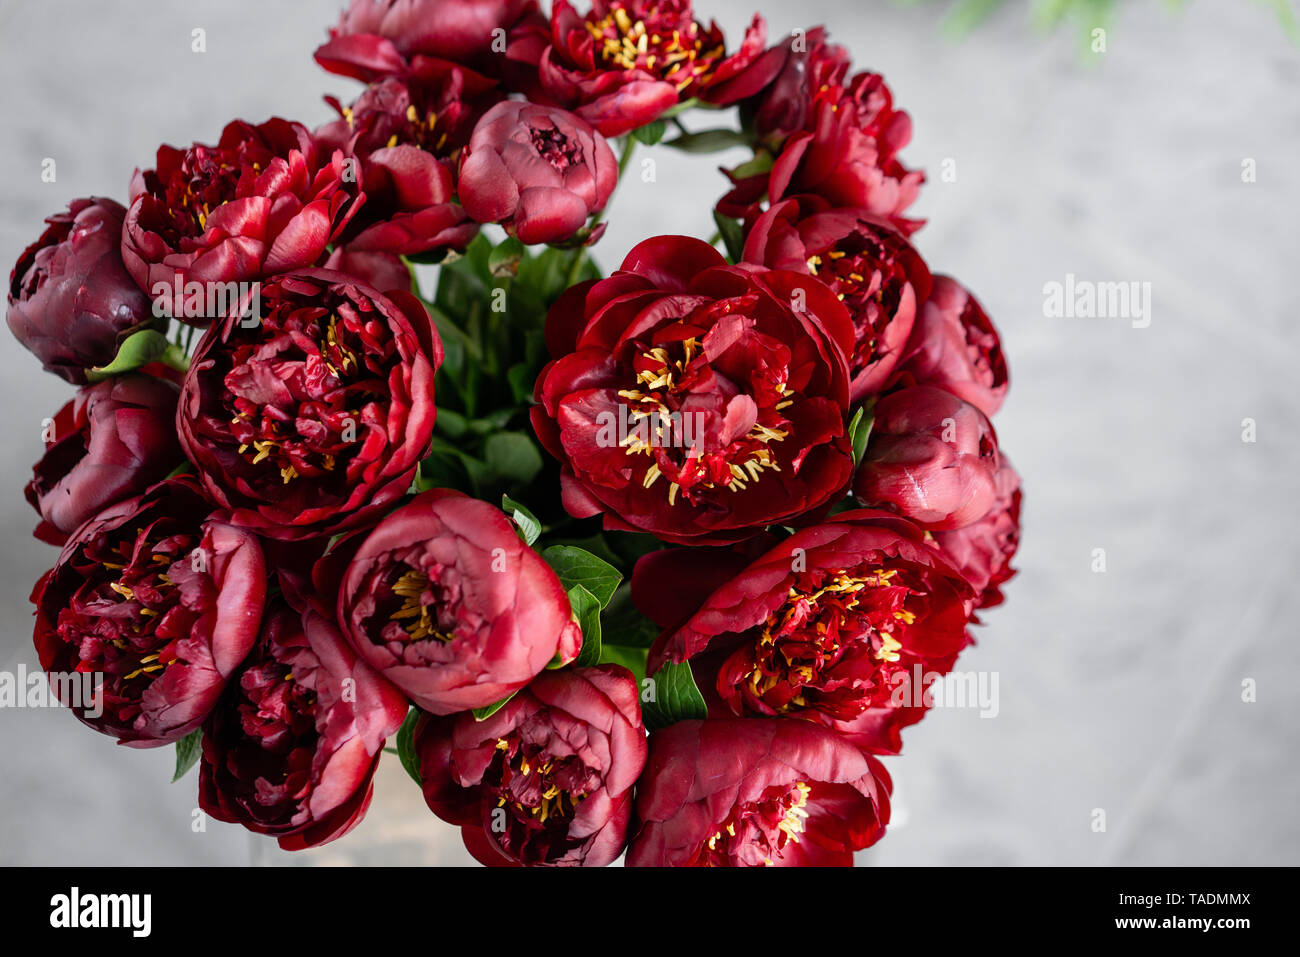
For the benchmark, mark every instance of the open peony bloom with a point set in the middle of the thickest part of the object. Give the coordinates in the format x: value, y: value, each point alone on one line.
x: 314, y: 418
x: 446, y: 601
x: 625, y: 62
x: 547, y: 780
x: 71, y: 300
x: 931, y: 457
x: 955, y: 347
x: 110, y: 442
x: 825, y: 627
x: 292, y: 748
x: 695, y: 400
x: 405, y: 137
x: 755, y: 793
x: 538, y: 170
x: 409, y: 38
x: 847, y: 154
x: 162, y: 600
x: 869, y: 265
x: 265, y: 199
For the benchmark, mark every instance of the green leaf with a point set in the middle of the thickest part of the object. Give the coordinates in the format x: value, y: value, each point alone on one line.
x: 586, y: 611
x: 708, y: 141
x: 451, y: 424
x: 624, y: 624
x: 860, y: 431
x: 188, y: 749
x: 733, y: 235
x: 575, y: 566
x: 504, y: 259
x: 512, y: 455
x: 482, y: 714
x: 406, y: 749
x: 675, y: 697
x: 760, y: 164
x: 529, y: 526
x: 633, y: 659
x: 522, y: 377
x: 651, y: 133
x: 138, y: 350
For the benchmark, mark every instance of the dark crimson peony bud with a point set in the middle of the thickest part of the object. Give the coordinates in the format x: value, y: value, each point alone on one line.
x: 404, y: 38
x: 801, y: 67
x: 405, y: 137
x: 955, y: 347
x: 111, y: 442
x: 756, y: 793
x: 313, y: 419
x: 292, y: 747
x: 266, y: 199
x: 983, y: 550
x: 547, y: 780
x: 931, y: 457
x: 71, y: 300
x: 162, y: 600
x: 628, y: 61
x: 848, y: 153
x: 695, y: 400
x: 446, y: 601
x: 827, y: 626
x: 539, y: 171
x: 869, y: 266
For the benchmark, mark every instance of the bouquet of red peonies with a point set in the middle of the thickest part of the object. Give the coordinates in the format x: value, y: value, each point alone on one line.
x: 648, y: 562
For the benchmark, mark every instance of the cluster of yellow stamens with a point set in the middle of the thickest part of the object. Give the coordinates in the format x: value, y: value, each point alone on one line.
x: 414, y: 614
x: 792, y: 824
x: 674, y: 56
x: 664, y: 376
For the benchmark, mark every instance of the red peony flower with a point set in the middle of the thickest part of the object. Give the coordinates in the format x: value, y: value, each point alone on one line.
x: 71, y: 300
x: 848, y: 153
x: 404, y: 136
x: 869, y: 266
x: 162, y: 600
x: 547, y: 780
x: 538, y: 170
x: 628, y: 61
x: 955, y: 347
x: 794, y: 73
x: 932, y: 458
x: 292, y: 748
x: 825, y: 626
x: 695, y: 400
x: 446, y: 601
x: 314, y: 419
x: 753, y: 793
x: 264, y: 200
x: 111, y: 442
x: 983, y: 550
x: 411, y: 38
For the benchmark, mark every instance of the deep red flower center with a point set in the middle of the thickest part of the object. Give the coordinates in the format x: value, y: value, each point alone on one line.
x: 126, y: 619
x: 535, y: 794
x: 664, y: 42
x: 759, y: 831
x: 832, y: 646
x: 864, y: 272
x: 556, y: 148
x: 691, y: 424
x: 299, y: 395
x: 279, y: 716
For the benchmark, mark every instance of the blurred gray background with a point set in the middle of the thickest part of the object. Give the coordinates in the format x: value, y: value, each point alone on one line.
x: 1119, y: 691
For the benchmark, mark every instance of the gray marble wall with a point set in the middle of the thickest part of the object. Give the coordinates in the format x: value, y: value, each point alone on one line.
x: 1118, y: 691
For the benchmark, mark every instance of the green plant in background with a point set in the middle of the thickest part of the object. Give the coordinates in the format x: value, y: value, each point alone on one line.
x: 965, y: 15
